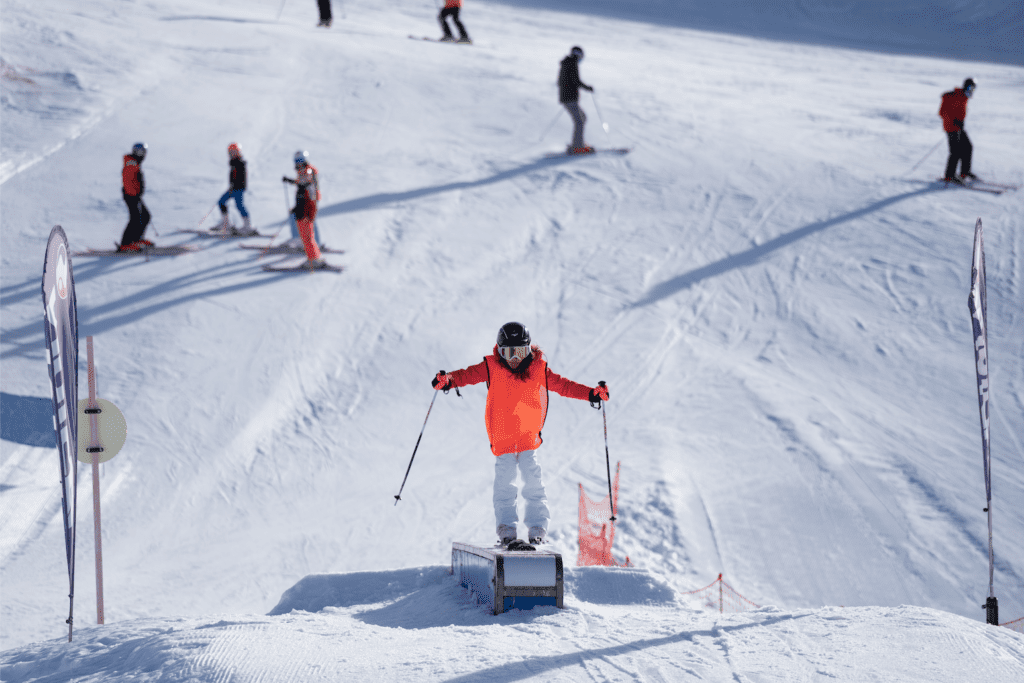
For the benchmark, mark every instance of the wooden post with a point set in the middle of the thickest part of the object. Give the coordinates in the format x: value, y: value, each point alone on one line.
x: 94, y: 443
x: 721, y: 603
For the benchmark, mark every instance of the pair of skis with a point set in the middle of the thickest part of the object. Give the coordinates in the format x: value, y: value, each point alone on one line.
x: 980, y: 185
x: 610, y: 150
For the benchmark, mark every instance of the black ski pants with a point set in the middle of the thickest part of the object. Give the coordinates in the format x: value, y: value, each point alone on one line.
x: 960, y: 149
x: 452, y: 12
x: 138, y: 219
x: 325, y: 11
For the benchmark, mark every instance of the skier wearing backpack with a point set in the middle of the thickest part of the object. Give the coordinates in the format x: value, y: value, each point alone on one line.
x: 451, y: 9
x: 569, y: 85
x: 518, y: 383
x: 953, y: 112
x: 307, y: 194
x: 133, y: 186
x: 237, y: 180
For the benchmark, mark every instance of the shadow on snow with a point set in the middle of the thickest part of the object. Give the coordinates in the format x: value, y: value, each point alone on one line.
x: 677, y: 284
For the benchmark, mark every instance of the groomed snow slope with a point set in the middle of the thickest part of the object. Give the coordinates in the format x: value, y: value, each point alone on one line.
x: 778, y: 307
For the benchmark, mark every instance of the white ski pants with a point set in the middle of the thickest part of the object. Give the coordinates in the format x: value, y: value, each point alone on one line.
x: 536, y: 515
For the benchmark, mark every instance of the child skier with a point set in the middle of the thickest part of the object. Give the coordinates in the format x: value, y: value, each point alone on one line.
x: 307, y: 194
x: 518, y: 381
x: 953, y: 112
x: 236, y: 189
x: 569, y: 85
x: 133, y: 185
x: 451, y: 9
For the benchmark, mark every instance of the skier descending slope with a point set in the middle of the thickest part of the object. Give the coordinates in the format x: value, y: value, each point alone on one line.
x: 307, y: 195
x: 953, y: 112
x: 451, y: 9
x: 236, y: 189
x: 569, y: 85
x: 325, y: 13
x: 518, y: 380
x: 133, y: 185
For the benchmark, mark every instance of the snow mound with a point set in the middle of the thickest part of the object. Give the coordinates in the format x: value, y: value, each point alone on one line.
x: 617, y: 586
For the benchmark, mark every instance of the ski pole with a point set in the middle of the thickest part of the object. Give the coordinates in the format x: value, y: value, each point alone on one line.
x: 607, y: 458
x: 415, y: 448
x: 288, y: 209
x: 550, y: 125
x: 599, y: 117
x: 203, y: 219
x: 924, y: 157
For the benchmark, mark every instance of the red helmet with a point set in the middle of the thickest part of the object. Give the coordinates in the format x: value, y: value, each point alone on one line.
x: 234, y: 150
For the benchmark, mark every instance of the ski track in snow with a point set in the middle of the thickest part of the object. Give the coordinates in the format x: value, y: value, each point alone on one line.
x: 779, y: 312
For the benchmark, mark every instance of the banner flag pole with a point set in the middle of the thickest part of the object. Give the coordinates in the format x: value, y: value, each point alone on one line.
x: 977, y: 302
x: 60, y: 323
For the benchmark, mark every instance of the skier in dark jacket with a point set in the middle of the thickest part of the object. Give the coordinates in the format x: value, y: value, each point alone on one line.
x: 133, y: 185
x: 953, y: 112
x: 236, y: 190
x: 569, y: 85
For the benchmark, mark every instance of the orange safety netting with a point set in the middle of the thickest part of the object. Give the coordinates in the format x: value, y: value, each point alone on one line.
x: 597, y: 531
x: 723, y: 597
x: 1015, y: 625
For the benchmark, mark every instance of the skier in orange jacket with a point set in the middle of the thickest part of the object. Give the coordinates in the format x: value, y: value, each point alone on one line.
x: 518, y: 382
x: 133, y: 185
x: 953, y: 112
x: 451, y: 9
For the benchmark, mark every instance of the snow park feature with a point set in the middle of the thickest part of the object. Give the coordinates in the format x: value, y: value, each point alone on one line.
x: 778, y: 303
x: 505, y: 579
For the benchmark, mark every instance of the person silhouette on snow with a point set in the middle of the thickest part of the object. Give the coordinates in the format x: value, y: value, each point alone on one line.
x: 953, y: 112
x: 518, y: 382
x: 569, y: 85
x: 133, y: 186
x: 236, y: 188
x: 325, y: 13
x: 451, y: 9
x: 307, y: 194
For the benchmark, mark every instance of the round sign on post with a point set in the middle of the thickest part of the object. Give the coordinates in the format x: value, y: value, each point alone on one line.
x: 113, y: 431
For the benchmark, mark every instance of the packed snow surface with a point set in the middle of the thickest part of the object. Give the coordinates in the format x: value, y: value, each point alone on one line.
x: 771, y: 282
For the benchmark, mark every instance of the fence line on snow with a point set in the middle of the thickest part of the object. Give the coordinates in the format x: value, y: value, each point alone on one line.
x: 720, y: 594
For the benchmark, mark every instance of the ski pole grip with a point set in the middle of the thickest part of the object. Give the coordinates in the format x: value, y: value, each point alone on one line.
x: 601, y: 384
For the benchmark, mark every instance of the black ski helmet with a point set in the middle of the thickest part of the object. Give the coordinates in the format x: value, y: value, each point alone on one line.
x: 969, y: 84
x: 139, y: 150
x: 577, y: 52
x: 513, y: 334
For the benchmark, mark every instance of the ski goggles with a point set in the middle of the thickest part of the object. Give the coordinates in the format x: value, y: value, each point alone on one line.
x: 514, y: 355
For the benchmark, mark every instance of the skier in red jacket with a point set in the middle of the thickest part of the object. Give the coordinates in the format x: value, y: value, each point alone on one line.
x: 307, y: 195
x: 451, y: 9
x: 133, y: 185
x: 953, y: 112
x: 518, y: 381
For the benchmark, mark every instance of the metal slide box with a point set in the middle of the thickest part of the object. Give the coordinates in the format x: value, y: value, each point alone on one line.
x: 509, y: 579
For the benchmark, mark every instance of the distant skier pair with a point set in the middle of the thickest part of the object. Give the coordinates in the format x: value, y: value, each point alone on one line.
x: 518, y: 381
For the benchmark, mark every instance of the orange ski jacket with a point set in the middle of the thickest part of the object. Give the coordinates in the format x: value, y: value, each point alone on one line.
x: 131, y: 177
x: 517, y: 402
x: 953, y: 109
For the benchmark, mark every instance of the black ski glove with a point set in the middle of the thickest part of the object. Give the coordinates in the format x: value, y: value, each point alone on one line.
x: 598, y: 394
x: 286, y: 179
x: 958, y: 123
